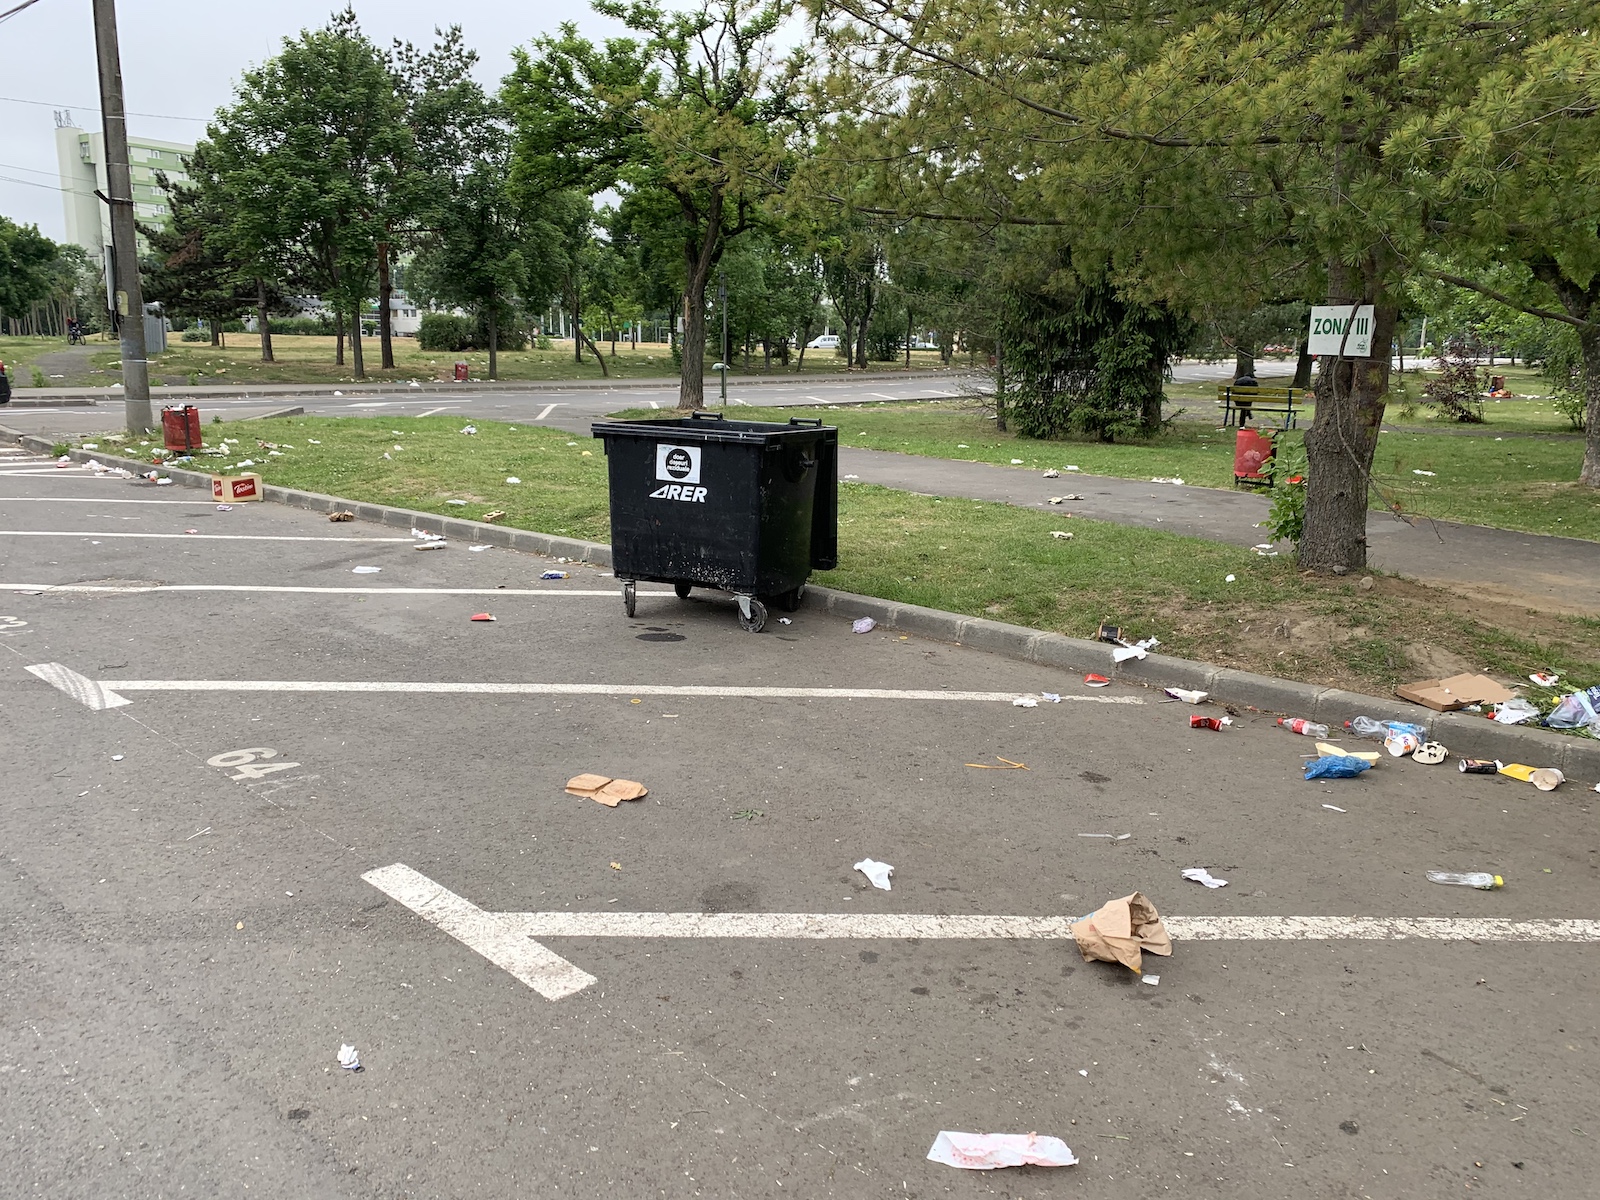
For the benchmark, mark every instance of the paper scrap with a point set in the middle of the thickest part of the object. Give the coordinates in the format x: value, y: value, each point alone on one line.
x: 1187, y: 696
x: 512, y: 479
x: 349, y: 1059
x: 1060, y: 533
x: 1124, y: 653
x: 1334, y: 807
x: 1024, y: 702
x: 1120, y: 931
x: 603, y: 789
x: 1152, y: 980
x: 477, y: 549
x: 877, y: 872
x: 990, y: 1151
x: 1544, y: 678
x: 1052, y: 697
x: 1201, y: 875
x: 365, y: 570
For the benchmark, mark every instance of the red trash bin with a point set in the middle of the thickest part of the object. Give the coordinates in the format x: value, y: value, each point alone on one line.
x: 1252, y: 457
x: 180, y: 428
x: 461, y: 372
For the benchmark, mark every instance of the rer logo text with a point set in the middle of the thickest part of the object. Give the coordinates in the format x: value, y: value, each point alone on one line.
x: 677, y: 491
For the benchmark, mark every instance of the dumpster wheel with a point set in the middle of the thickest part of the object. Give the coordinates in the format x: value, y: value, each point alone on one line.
x: 630, y: 596
x: 790, y: 601
x: 752, y: 614
x: 683, y: 590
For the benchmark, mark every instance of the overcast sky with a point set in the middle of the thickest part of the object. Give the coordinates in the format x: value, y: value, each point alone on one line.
x: 181, y: 60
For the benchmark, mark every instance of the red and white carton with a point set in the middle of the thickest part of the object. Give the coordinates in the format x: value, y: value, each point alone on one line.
x: 235, y: 489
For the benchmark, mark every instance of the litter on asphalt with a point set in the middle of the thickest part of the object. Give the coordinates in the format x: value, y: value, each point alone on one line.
x: 1025, y: 702
x: 349, y: 1059
x: 556, y: 575
x: 863, y: 625
x: 993, y: 1151
x: 603, y: 789
x: 342, y: 515
x: 1187, y: 696
x: 1121, y: 931
x: 1201, y: 875
x: 481, y: 617
x: 876, y: 872
x: 1096, y: 680
x: 431, y: 544
x: 1326, y: 750
x: 365, y: 570
x: 1334, y: 807
x: 1431, y: 753
x: 1546, y: 779
x: 1336, y: 766
x: 1008, y: 765
x: 1196, y: 721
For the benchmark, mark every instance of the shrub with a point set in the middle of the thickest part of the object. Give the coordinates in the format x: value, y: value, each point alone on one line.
x: 1287, y: 517
x: 304, y: 326
x: 1574, y: 406
x: 1458, y: 392
x: 446, y: 331
x: 195, y: 334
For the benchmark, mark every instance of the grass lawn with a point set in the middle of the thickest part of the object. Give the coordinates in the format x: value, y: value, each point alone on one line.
x: 21, y: 353
x: 310, y: 360
x: 1521, y: 483
x: 976, y: 558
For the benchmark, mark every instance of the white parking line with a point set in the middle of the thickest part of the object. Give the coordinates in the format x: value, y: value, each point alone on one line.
x: 196, y: 537
x: 881, y: 396
x: 486, y: 933
x: 85, y: 691
x: 507, y: 939
x: 433, y: 411
x: 546, y: 411
x: 40, y: 589
x: 725, y: 692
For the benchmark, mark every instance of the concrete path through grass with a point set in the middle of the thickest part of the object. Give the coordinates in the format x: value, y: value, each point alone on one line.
x: 1549, y: 573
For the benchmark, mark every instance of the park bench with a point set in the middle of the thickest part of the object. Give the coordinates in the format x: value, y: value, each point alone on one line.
x: 1240, y: 405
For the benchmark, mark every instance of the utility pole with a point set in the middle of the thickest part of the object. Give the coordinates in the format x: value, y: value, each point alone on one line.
x: 128, y: 302
x: 722, y: 303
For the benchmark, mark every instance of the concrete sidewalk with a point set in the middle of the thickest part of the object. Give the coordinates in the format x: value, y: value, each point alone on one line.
x: 1553, y: 574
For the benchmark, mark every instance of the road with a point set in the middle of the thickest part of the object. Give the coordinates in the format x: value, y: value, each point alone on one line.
x: 259, y: 806
x: 568, y: 407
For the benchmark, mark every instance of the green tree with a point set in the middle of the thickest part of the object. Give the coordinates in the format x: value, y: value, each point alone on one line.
x: 308, y: 154
x: 27, y: 259
x: 1224, y: 149
x: 690, y: 109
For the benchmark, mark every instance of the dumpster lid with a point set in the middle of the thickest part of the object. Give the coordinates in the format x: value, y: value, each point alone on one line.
x: 706, y: 427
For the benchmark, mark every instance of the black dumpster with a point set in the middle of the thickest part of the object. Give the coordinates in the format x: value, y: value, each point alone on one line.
x: 749, y: 507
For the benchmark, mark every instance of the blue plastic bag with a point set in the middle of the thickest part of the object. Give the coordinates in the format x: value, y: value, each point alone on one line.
x: 1336, y: 766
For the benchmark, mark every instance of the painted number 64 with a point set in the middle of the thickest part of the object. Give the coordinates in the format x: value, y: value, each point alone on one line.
x: 244, y: 764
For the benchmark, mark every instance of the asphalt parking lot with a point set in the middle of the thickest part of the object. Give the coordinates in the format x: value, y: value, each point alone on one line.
x: 258, y: 806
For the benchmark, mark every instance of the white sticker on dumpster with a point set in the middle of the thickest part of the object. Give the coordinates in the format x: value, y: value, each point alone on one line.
x: 678, y: 464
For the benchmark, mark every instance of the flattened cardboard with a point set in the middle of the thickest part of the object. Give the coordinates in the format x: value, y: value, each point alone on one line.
x: 603, y: 789
x: 1120, y: 930
x: 1458, y: 691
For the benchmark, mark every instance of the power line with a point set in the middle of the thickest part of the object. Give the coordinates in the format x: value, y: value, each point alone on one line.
x: 93, y: 108
x: 11, y: 12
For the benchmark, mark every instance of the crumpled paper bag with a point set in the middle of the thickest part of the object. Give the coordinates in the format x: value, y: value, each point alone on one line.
x: 1120, y: 930
x: 603, y: 789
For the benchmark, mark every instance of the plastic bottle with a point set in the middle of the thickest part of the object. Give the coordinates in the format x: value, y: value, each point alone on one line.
x: 1301, y: 725
x: 1473, y: 879
x: 1366, y: 727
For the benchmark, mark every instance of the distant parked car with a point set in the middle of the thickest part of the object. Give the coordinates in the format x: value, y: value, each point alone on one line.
x: 827, y: 341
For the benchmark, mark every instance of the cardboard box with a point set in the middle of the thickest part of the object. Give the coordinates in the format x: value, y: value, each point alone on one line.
x: 1446, y: 695
x: 235, y: 489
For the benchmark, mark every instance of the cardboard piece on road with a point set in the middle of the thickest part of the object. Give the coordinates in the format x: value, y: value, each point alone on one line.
x: 1120, y: 930
x: 603, y: 789
x: 1458, y: 691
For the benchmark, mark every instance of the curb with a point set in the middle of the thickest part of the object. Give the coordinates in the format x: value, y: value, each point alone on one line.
x: 1465, y: 734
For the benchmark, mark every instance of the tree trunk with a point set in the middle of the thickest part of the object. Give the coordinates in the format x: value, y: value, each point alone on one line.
x: 338, y: 346
x: 575, y: 295
x: 800, y: 360
x: 999, y: 386
x: 1244, y: 362
x: 847, y: 338
x: 861, y: 335
x: 1589, y: 343
x: 1302, y: 366
x: 355, y: 342
x: 263, y: 321
x: 595, y: 350
x: 908, y: 337
x: 494, y: 343
x: 216, y: 330
x: 766, y: 356
x: 1339, y: 450
x: 385, y: 320
x: 691, y: 374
